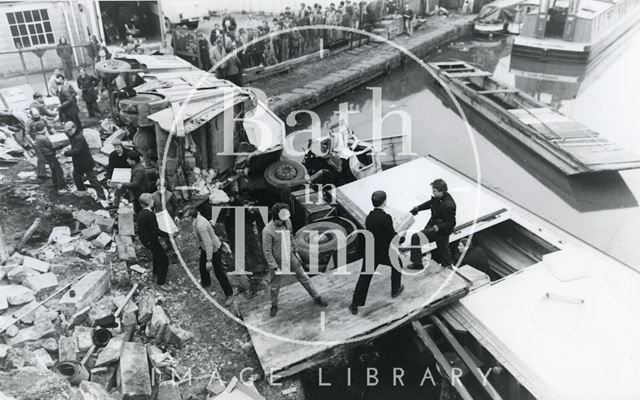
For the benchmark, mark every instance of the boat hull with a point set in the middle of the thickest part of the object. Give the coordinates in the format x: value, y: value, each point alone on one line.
x: 556, y: 50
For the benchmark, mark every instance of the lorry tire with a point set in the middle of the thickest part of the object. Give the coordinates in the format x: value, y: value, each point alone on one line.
x: 285, y: 174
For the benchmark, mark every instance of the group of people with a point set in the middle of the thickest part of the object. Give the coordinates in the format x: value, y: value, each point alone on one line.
x: 39, y: 127
x: 228, y: 36
x: 280, y: 253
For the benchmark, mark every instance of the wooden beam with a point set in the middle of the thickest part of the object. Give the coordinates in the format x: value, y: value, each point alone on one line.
x: 440, y: 358
x: 495, y: 91
x: 466, y: 358
x: 28, y: 234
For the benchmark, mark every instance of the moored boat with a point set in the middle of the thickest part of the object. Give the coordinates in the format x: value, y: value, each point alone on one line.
x: 501, y: 17
x: 567, y: 145
x: 576, y: 31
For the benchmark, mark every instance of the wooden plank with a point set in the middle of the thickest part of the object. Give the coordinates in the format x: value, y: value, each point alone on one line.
x: 467, y: 359
x: 496, y: 91
x: 299, y: 319
x: 28, y: 234
x: 440, y: 358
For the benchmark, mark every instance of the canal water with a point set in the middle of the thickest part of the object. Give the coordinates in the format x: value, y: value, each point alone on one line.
x: 601, y: 210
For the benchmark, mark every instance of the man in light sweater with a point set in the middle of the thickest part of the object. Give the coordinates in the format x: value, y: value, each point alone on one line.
x: 279, y: 250
x: 210, y: 251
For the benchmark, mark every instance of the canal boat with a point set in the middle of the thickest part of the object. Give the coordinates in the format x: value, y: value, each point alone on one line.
x: 567, y: 145
x: 501, y: 17
x: 575, y: 31
x: 532, y: 333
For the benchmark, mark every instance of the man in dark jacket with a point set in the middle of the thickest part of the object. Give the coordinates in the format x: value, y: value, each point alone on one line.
x: 82, y: 160
x: 43, y: 144
x: 139, y: 181
x: 380, y: 224
x: 37, y: 125
x: 68, y: 102
x: 439, y: 226
x: 148, y: 233
x: 88, y: 84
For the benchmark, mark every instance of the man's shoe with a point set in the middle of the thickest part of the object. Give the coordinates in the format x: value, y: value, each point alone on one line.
x: 228, y: 301
x: 273, y: 311
x: 398, y: 292
x: 415, y: 266
x: 320, y: 301
x: 353, y: 308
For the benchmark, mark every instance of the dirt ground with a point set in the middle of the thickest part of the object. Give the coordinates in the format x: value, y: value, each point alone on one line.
x: 219, y: 342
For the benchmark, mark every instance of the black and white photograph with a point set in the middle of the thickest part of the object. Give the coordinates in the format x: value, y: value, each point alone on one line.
x: 327, y: 199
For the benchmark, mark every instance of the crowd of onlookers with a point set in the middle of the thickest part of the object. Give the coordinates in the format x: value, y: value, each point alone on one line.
x: 291, y: 43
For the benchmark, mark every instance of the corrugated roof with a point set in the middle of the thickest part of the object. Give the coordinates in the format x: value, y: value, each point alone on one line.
x: 195, y: 96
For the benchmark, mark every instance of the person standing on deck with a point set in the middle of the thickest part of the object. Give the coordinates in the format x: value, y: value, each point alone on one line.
x: 210, y: 251
x: 380, y: 224
x: 439, y: 226
x: 83, y: 162
x: 279, y: 251
x: 148, y: 233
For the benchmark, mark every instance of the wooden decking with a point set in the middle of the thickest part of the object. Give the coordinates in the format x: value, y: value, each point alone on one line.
x: 303, y: 334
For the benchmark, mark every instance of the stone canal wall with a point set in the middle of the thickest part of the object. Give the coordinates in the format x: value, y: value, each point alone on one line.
x: 309, y: 86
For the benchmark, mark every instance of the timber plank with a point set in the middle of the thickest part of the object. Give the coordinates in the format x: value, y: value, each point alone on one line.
x: 300, y: 319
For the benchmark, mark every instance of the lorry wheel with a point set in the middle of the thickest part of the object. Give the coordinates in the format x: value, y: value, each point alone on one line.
x: 284, y: 174
x: 327, y: 243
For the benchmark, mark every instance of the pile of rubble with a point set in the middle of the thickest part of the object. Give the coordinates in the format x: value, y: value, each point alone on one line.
x: 92, y: 335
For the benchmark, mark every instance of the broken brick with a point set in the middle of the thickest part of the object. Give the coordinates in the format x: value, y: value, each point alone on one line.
x: 32, y: 333
x: 159, y: 323
x: 126, y: 225
x: 86, y: 218
x: 102, y: 240
x: 35, y: 264
x: 105, y: 224
x: 44, y: 359
x: 17, y: 294
x: 135, y: 381
x: 145, y: 308
x: 19, y: 273
x: 91, y: 232
x: 111, y: 353
x: 40, y: 283
x: 82, y: 248
x: 87, y: 291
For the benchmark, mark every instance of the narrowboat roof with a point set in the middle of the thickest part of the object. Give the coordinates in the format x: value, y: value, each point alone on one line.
x: 558, y: 324
x: 158, y: 62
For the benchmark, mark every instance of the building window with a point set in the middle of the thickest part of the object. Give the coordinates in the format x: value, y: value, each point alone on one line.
x: 30, y: 28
